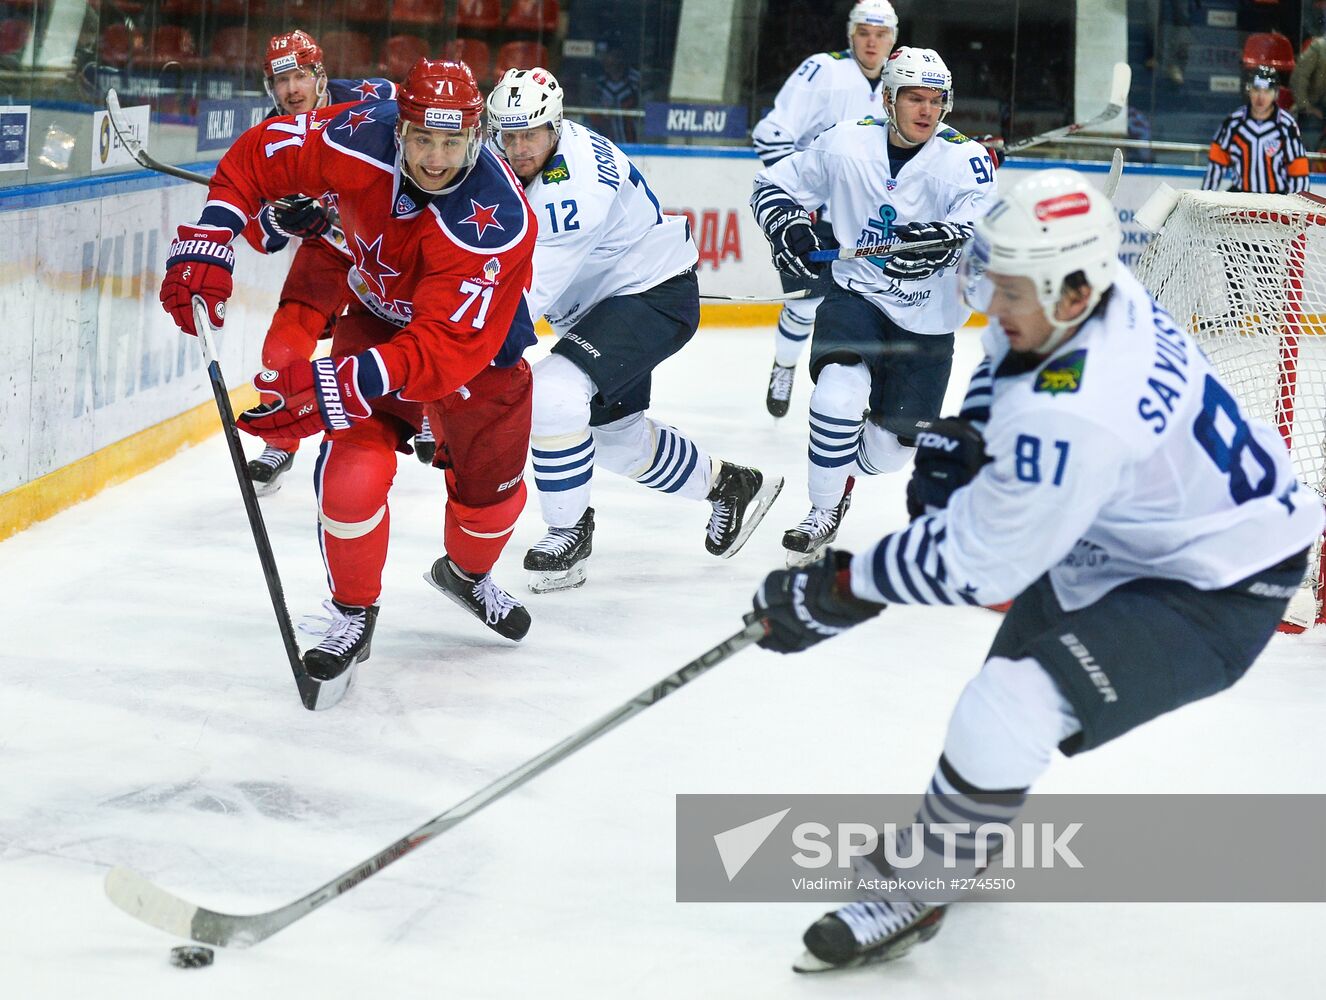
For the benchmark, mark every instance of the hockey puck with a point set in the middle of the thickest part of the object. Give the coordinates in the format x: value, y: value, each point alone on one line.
x: 191, y: 956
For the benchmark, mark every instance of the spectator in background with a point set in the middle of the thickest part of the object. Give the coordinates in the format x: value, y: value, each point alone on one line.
x: 1308, y: 81
x: 1169, y: 26
x: 617, y: 86
x: 1258, y: 145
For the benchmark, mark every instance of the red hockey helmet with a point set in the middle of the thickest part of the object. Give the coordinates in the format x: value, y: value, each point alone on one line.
x: 440, y: 94
x: 289, y: 51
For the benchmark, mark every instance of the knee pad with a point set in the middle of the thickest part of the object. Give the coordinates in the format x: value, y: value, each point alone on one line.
x: 561, y: 398
x: 293, y: 335
x: 1007, y: 723
x: 625, y: 446
x: 880, y: 451
x: 842, y: 391
x: 352, y: 480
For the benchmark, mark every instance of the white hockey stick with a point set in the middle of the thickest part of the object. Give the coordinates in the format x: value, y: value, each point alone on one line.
x: 784, y: 297
x: 139, y: 898
x: 1116, y: 171
x: 1119, y: 85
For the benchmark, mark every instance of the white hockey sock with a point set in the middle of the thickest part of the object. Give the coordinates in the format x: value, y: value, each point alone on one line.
x: 655, y: 455
x: 796, y: 322
x: 560, y: 441
x: 837, y: 407
x: 880, y: 452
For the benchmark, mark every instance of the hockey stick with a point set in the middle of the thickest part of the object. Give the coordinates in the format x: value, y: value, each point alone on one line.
x: 1119, y: 85
x: 785, y: 297
x: 139, y: 898
x: 313, y: 693
x: 881, y: 250
x: 1116, y: 171
x: 135, y: 148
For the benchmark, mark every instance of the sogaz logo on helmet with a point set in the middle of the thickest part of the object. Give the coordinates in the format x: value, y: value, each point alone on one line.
x: 284, y: 63
x: 446, y: 118
x: 933, y: 80
x: 511, y: 121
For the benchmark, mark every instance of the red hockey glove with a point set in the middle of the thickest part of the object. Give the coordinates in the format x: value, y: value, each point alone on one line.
x: 310, y: 397
x: 201, y: 262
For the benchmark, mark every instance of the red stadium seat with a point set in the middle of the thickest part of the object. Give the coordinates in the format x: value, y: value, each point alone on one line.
x: 1269, y: 48
x: 473, y: 53
x: 479, y: 15
x: 348, y: 54
x: 399, y: 53
x: 174, y: 44
x: 14, y: 33
x: 533, y: 15
x: 232, y: 49
x: 521, y: 55
x: 428, y: 12
x: 119, y: 45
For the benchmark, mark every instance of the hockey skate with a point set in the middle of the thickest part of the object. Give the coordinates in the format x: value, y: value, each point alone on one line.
x: 425, y: 445
x: 481, y: 597
x: 807, y: 541
x: 557, y: 560
x: 780, y: 389
x: 740, y: 497
x: 867, y: 932
x: 267, y: 470
x: 347, y: 640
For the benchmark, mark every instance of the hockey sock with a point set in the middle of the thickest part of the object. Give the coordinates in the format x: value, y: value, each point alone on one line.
x: 837, y: 407
x: 796, y: 322
x: 560, y: 440
x: 879, y: 451
x: 655, y: 455
x: 475, y: 536
x: 351, y: 480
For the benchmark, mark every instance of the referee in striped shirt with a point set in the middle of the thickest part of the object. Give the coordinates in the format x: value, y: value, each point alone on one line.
x: 1258, y: 146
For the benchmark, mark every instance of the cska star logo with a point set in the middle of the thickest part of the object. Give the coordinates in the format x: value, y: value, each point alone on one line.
x: 367, y: 90
x: 483, y: 218
x: 356, y: 119
x: 368, y: 260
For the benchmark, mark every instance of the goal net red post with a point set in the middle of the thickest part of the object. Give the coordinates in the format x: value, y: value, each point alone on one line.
x: 1245, y: 274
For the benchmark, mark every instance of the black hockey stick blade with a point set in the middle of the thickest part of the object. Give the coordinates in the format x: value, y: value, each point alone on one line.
x: 139, y: 898
x: 314, y: 694
x: 135, y: 148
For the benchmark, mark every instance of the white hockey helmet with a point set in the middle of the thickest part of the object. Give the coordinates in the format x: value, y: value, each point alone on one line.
x: 524, y: 99
x: 876, y: 13
x: 1048, y: 227
x: 908, y: 66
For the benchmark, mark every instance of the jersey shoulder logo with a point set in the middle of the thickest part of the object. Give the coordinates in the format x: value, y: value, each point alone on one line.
x: 1063, y: 374
x: 557, y: 171
x: 844, y: 54
x: 872, y: 120
x: 949, y: 134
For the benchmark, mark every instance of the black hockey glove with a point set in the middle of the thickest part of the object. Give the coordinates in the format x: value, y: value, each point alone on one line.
x: 949, y: 453
x: 300, y: 215
x: 912, y: 266
x: 810, y: 604
x: 791, y: 238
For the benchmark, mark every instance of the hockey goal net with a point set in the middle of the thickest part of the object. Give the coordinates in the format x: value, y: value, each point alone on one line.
x: 1246, y: 275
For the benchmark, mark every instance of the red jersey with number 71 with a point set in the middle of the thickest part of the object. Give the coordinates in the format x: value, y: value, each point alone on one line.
x: 450, y: 270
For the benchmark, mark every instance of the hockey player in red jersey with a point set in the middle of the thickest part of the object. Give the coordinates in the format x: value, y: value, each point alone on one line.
x: 315, y: 292
x: 442, y: 240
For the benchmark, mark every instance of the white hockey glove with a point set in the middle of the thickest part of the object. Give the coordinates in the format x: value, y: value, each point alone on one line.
x: 907, y: 266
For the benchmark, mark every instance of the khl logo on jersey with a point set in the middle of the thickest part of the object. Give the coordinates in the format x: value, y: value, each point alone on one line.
x: 405, y: 205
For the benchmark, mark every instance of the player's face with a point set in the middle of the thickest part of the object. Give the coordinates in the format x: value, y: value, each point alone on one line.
x: 871, y: 45
x: 917, y: 112
x: 296, y: 90
x: 1016, y: 306
x: 433, y: 158
x: 527, y: 150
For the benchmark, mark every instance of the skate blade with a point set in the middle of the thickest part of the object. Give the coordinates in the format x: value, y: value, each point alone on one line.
x: 550, y: 581
x: 428, y: 578
x: 795, y: 560
x: 267, y: 489
x: 755, y: 511
x: 323, y: 695
x: 919, y: 933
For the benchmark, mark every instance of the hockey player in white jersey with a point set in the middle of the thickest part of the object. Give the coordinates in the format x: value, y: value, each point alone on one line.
x: 827, y: 88
x: 616, y: 279
x: 1151, y: 533
x: 883, y: 338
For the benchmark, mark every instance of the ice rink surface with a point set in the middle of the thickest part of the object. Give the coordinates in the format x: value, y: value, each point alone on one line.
x: 148, y: 718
